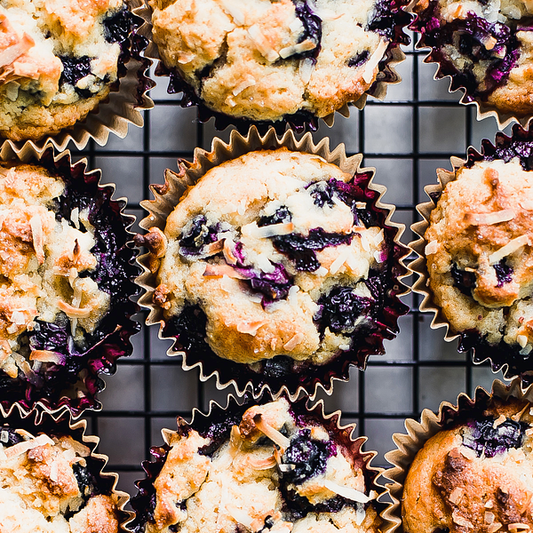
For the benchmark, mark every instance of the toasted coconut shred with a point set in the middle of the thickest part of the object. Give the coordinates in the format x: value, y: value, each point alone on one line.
x: 41, y: 261
x: 243, y: 482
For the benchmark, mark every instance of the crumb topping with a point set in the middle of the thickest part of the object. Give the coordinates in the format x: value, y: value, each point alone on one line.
x: 278, y: 265
x: 39, y: 489
x: 480, y: 254
x: 43, y: 261
x: 265, y: 59
x: 305, y: 482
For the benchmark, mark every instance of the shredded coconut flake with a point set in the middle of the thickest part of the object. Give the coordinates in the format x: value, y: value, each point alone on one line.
x: 37, y: 236
x: 235, y: 13
x: 23, y: 447
x: 522, y: 340
x: 509, y: 249
x: 305, y: 69
x: 250, y: 328
x: 272, y: 433
x: 218, y: 271
x: 432, y: 247
x: 494, y: 527
x: 348, y: 492
x: 45, y: 356
x: 294, y: 341
x: 478, y: 219
x: 74, y: 312
x: 372, y: 63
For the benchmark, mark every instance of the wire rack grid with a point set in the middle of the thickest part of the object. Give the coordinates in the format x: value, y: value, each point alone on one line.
x: 405, y: 137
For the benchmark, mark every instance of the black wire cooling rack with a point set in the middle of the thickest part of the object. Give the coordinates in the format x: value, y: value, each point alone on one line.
x: 406, y: 137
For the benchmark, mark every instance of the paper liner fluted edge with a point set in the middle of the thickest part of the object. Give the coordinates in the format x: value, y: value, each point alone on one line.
x: 418, y: 266
x: 45, y: 419
x: 483, y: 109
x: 387, y: 76
x: 168, y: 195
x: 78, y: 405
x: 305, y: 406
x: 114, y: 114
x: 418, y: 432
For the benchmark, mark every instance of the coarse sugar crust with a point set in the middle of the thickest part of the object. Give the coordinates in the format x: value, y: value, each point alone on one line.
x: 486, y: 48
x: 245, y: 470
x: 451, y: 486
x: 259, y: 298
x: 59, y: 60
x: 263, y: 61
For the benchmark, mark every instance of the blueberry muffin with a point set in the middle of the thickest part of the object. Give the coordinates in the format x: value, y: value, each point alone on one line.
x: 58, y: 60
x: 479, y: 253
x: 279, y: 263
x: 485, y: 46
x: 264, y: 60
x: 66, y: 282
x: 51, y: 483
x: 475, y: 474
x: 269, y: 467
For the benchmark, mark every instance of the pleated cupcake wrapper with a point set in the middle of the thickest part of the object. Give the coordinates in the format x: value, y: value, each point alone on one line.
x: 483, y: 109
x: 497, y: 356
x: 102, y: 357
x: 236, y: 407
x: 418, y: 433
x: 167, y: 196
x: 60, y: 422
x: 113, y: 115
x: 298, y: 122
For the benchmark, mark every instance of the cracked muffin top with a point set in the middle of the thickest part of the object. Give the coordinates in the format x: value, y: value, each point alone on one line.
x: 486, y: 46
x: 475, y: 476
x: 58, y: 60
x: 50, y: 484
x: 264, y: 469
x: 265, y: 59
x: 60, y: 248
x: 275, y: 258
x: 479, y: 252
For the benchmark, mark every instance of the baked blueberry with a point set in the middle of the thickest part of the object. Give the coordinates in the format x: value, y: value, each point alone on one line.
x: 67, y: 276
x: 484, y: 46
x: 270, y: 257
x: 59, y: 61
x: 478, y: 249
x: 278, y: 467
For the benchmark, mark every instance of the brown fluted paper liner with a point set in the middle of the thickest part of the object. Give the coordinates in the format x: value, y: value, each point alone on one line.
x: 419, y: 432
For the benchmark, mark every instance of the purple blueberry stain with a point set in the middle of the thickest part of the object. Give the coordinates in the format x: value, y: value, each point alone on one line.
x: 359, y: 59
x: 118, y: 26
x: 504, y: 273
x: 341, y: 310
x: 273, y: 285
x: 489, y: 439
x: 306, y: 458
x: 470, y: 36
x: 463, y: 280
x: 312, y: 24
x: 197, y: 235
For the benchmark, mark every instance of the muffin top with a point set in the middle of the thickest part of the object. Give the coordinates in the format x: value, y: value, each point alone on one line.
x: 480, y: 255
x: 266, y: 469
x: 64, y: 267
x: 274, y: 253
x: 262, y: 60
x: 475, y: 476
x: 44, y: 262
x: 486, y: 46
x: 54, y: 56
x: 49, y: 484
